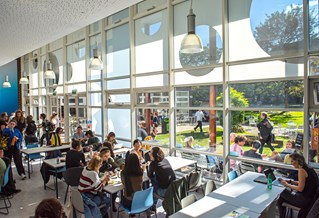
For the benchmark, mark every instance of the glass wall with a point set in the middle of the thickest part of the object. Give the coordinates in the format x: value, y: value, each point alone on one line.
x: 257, y: 62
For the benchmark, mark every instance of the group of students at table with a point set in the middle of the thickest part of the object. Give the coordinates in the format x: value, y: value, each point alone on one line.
x: 103, y: 163
x: 300, y: 192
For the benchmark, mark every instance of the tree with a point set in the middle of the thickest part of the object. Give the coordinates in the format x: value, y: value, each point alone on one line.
x: 282, y: 31
x: 237, y: 99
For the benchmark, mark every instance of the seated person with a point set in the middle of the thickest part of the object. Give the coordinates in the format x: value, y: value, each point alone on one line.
x: 141, y: 131
x: 92, y: 140
x: 50, y: 208
x: 189, y: 142
x: 75, y: 157
x: 237, y: 150
x: 276, y: 156
x: 160, y: 171
x: 10, y: 188
x: 304, y: 188
x: 79, y: 135
x: 137, y: 145
x: 55, y: 137
x: 108, y: 165
x: 90, y: 187
x: 253, y: 153
x: 290, y: 148
x: 132, y: 179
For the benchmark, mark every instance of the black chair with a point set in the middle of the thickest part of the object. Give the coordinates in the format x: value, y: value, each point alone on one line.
x: 72, y: 178
x: 3, y: 195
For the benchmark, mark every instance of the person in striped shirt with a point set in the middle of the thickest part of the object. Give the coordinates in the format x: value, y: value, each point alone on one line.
x: 91, y: 186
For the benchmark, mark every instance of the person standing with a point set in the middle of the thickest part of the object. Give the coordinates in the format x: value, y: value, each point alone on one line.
x: 20, y: 121
x: 14, y: 145
x: 45, y: 129
x: 199, y: 115
x: 265, y: 129
x: 30, y: 131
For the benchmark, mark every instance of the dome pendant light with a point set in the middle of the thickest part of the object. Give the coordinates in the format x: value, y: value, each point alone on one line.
x: 96, y: 63
x: 49, y: 74
x: 24, y: 80
x: 191, y: 42
x: 6, y: 83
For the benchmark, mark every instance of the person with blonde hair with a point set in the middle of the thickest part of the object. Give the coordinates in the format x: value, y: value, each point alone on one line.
x: 90, y: 187
x: 189, y: 142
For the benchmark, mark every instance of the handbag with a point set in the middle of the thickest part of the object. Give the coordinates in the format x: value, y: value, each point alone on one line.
x: 273, y: 137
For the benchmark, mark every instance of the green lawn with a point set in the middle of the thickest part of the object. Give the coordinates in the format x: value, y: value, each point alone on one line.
x: 202, y: 139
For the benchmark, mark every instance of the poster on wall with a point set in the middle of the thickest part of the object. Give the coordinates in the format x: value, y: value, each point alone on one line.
x: 314, y: 141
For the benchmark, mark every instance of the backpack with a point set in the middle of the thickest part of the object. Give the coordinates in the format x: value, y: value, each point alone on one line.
x: 49, y: 127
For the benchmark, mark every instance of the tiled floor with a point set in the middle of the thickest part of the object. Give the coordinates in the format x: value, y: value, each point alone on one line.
x: 25, y: 202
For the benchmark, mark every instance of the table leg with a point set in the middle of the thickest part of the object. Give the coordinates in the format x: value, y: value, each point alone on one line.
x: 56, y: 183
x: 111, y: 206
x: 29, y: 167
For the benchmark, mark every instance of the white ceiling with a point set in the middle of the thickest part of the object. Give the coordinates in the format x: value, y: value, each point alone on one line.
x: 26, y: 25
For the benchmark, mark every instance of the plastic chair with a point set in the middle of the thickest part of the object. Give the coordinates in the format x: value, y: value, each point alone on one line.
x: 72, y: 178
x: 142, y: 201
x: 2, y: 194
x: 188, y: 200
x: 194, y: 181
x: 209, y: 187
x: 232, y: 175
x: 35, y: 156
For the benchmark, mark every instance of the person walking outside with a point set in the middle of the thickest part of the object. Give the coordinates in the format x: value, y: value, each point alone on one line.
x: 199, y: 115
x: 265, y: 128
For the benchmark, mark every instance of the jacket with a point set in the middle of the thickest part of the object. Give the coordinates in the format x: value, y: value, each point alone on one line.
x: 174, y: 194
x: 265, y: 128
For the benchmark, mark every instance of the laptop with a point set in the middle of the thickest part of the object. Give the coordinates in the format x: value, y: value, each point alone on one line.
x: 264, y: 178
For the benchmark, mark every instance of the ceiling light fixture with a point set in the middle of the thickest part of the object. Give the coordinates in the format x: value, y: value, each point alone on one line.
x: 6, y: 83
x: 191, y: 42
x: 24, y: 80
x: 96, y: 63
x: 49, y: 74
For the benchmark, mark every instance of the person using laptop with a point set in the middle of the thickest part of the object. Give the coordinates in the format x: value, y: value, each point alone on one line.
x: 253, y: 153
x: 303, y: 190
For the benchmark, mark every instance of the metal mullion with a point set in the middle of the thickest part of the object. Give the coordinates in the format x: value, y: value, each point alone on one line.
x: 183, y: 69
x: 266, y: 80
x: 150, y: 12
x: 117, y: 78
x: 196, y: 108
x: 265, y: 109
x: 262, y: 59
x: 114, y: 25
x: 197, y: 84
x: 151, y: 73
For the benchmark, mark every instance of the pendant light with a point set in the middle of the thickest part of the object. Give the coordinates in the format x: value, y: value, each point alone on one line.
x: 6, y: 83
x: 191, y: 42
x: 96, y: 63
x: 49, y: 74
x: 24, y: 80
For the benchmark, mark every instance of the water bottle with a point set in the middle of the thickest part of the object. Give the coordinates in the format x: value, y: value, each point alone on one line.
x: 44, y: 142
x: 91, y: 152
x: 269, y: 182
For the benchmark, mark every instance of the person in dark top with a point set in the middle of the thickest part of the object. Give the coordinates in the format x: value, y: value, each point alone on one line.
x: 30, y: 131
x: 160, y: 171
x: 74, y: 157
x: 253, y: 153
x: 20, y: 120
x: 110, y: 147
x: 304, y: 189
x: 265, y: 129
x: 45, y: 130
x: 92, y: 140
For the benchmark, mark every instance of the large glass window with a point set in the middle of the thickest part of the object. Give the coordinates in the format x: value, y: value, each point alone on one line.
x: 151, y: 52
x: 276, y: 94
x: 208, y: 28
x: 119, y: 121
x: 265, y: 28
x: 118, y: 51
x: 76, y: 63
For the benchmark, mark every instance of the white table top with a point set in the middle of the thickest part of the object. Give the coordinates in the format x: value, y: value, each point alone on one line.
x: 53, y: 163
x: 44, y: 149
x: 178, y: 162
x: 208, y: 207
x: 121, y: 150
x: 118, y: 186
x: 246, y: 193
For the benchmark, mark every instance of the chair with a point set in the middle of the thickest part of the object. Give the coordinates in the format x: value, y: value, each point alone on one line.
x: 209, y: 187
x: 232, y: 175
x: 77, y: 201
x: 194, y: 181
x: 142, y: 201
x: 188, y: 200
x: 290, y: 208
x: 244, y: 167
x: 35, y: 156
x: 72, y: 178
x: 2, y: 194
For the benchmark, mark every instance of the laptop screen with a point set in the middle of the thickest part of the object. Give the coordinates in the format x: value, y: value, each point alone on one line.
x: 271, y: 172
